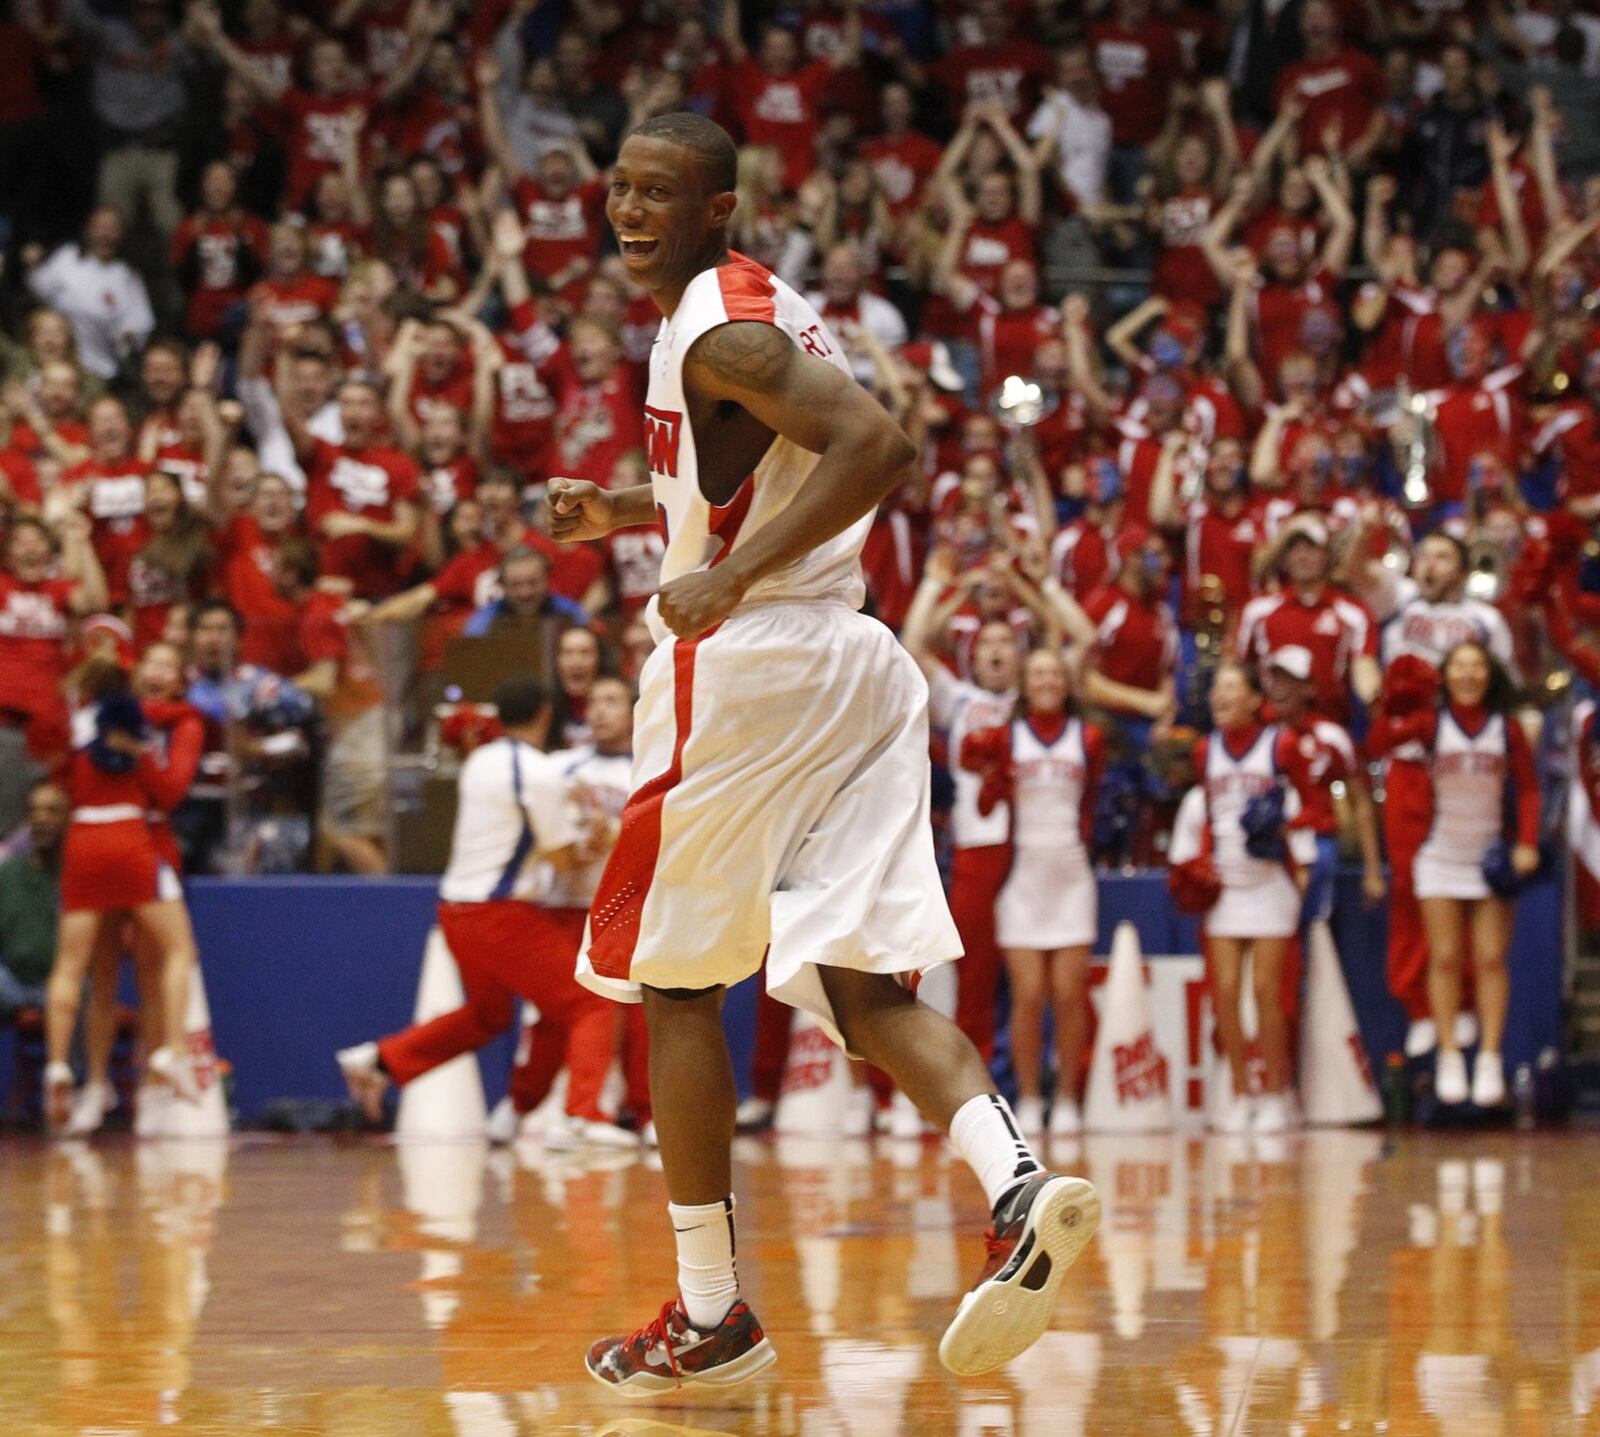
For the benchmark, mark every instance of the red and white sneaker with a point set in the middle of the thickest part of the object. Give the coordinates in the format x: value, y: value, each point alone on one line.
x: 669, y: 1353
x: 1037, y: 1235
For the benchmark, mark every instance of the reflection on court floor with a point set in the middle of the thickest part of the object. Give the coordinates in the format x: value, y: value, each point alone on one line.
x: 1321, y: 1283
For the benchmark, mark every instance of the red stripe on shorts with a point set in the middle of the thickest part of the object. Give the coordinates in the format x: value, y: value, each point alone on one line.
x: 748, y: 291
x: 625, y: 884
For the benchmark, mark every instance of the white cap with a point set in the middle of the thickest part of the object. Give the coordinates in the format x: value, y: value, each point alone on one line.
x: 1293, y: 659
x: 1306, y: 526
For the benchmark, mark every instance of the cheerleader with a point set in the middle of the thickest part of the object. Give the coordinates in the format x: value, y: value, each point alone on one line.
x: 179, y: 740
x: 1257, y: 909
x: 1047, y: 761
x: 110, y: 864
x: 1480, y: 767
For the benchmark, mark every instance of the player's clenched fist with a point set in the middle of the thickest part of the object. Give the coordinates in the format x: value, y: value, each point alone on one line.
x: 578, y: 510
x: 700, y: 601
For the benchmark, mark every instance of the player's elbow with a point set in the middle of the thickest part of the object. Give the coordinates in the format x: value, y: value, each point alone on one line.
x: 893, y: 455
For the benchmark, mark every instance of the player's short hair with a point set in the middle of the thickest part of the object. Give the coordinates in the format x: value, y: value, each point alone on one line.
x: 520, y: 700
x: 710, y: 144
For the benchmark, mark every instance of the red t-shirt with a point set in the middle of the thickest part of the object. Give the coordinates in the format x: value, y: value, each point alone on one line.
x: 243, y: 576
x: 1334, y: 627
x: 114, y: 502
x: 1136, y: 640
x: 1572, y: 434
x: 1181, y: 269
x: 287, y: 302
x: 1474, y: 418
x: 1138, y: 66
x: 1347, y: 87
x: 1008, y: 339
x: 20, y: 57
x: 559, y: 231
x: 595, y: 424
x: 1083, y: 557
x: 370, y: 482
x: 989, y: 248
x: 151, y: 593
x: 1010, y: 73
x: 781, y: 112
x: 217, y: 257
x: 903, y: 165
x: 1219, y: 546
x: 1281, y: 311
x: 453, y: 391
x: 20, y: 477
x: 33, y: 643
x: 446, y: 485
x: 318, y: 127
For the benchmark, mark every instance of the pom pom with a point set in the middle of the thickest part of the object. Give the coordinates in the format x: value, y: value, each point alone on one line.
x: 1195, y: 886
x: 1262, y: 821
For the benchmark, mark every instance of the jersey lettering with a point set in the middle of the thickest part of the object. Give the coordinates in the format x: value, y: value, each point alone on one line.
x: 662, y: 428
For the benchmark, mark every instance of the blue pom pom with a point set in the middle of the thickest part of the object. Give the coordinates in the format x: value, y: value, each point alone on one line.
x: 1262, y: 821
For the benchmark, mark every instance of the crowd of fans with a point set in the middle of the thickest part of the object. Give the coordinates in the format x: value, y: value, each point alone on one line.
x: 1201, y: 317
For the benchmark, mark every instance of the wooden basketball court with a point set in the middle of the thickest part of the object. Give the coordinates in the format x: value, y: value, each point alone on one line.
x: 1324, y: 1283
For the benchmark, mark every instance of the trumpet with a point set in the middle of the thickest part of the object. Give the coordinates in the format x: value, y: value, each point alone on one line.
x: 1413, y: 438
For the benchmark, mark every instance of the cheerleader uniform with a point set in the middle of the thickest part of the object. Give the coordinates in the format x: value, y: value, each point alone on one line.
x: 1049, y: 899
x: 109, y: 859
x: 181, y: 740
x: 1472, y: 755
x: 1259, y: 899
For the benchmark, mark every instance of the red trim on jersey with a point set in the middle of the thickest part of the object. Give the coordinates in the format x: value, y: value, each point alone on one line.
x: 727, y: 519
x: 747, y: 290
x: 619, y: 900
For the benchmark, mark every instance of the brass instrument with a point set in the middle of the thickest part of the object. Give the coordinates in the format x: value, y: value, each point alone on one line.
x: 1413, y: 437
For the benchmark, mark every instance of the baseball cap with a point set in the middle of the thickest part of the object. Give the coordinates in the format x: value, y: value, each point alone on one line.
x: 1305, y: 526
x: 1292, y: 659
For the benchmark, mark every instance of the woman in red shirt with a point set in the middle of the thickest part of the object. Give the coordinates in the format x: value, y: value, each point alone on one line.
x: 1481, y: 769
x: 158, y: 684
x: 110, y: 863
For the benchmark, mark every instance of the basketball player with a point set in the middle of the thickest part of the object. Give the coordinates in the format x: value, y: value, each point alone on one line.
x: 514, y: 824
x: 1430, y: 620
x: 601, y: 772
x: 781, y: 764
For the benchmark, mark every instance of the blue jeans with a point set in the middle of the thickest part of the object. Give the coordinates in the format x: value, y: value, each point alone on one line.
x: 15, y: 994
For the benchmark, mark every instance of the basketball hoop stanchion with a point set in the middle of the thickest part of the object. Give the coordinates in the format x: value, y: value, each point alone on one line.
x: 448, y: 1102
x: 1129, y: 1088
x: 1336, y: 1087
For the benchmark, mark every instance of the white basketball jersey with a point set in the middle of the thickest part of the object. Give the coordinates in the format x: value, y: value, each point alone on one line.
x: 512, y: 804
x: 1230, y: 784
x: 960, y: 708
x: 1047, y: 794
x: 1469, y: 784
x: 600, y: 782
x: 699, y: 533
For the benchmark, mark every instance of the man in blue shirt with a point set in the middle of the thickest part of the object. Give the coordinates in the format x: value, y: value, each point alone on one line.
x: 525, y: 597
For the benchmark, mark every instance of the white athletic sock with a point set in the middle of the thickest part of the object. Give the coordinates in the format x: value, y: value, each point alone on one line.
x: 986, y: 1133
x: 706, y: 1279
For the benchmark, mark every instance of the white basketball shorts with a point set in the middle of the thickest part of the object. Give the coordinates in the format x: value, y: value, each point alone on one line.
x: 780, y: 810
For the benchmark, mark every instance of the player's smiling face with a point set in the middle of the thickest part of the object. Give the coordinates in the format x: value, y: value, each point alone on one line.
x: 668, y: 226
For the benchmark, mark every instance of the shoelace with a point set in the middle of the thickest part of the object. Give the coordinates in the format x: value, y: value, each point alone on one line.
x: 992, y: 1243
x: 659, y: 1331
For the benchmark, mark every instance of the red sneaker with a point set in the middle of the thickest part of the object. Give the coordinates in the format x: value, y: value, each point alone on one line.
x: 1037, y: 1235
x: 668, y: 1353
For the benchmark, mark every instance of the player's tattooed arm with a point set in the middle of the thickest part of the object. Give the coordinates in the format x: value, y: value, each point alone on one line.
x: 864, y: 455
